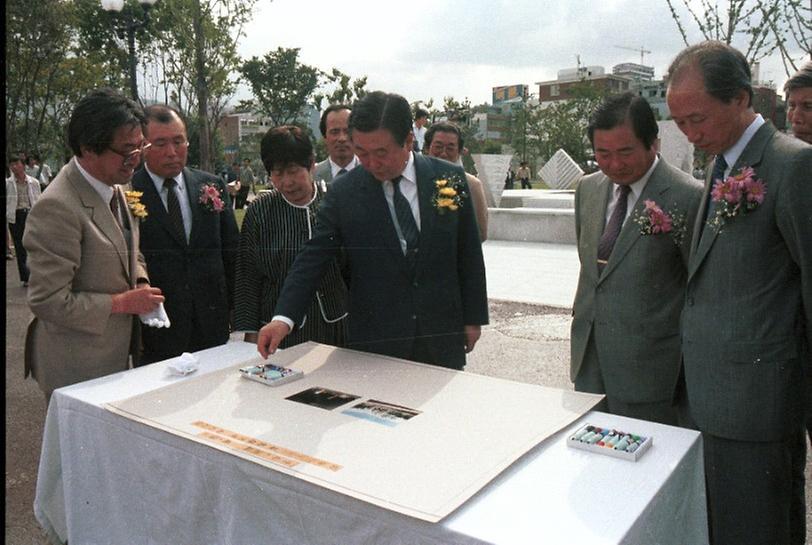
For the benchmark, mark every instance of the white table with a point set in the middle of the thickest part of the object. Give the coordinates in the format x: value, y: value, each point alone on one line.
x: 106, y: 479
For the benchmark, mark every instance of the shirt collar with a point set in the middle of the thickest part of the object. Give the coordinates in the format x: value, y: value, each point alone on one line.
x: 105, y: 191
x: 638, y: 186
x: 334, y: 167
x: 159, y: 182
x: 409, y: 173
x: 732, y: 154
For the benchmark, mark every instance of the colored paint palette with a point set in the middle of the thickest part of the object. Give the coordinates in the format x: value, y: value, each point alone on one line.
x: 611, y: 442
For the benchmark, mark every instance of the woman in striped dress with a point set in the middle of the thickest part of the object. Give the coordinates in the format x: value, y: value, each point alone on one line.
x: 275, y: 227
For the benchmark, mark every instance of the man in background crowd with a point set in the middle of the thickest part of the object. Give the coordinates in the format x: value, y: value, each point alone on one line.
x: 421, y: 118
x: 22, y: 191
x: 334, y: 127
x: 444, y: 141
x: 798, y: 91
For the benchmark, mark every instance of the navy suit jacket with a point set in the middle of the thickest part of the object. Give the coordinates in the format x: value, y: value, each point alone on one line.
x: 197, y: 279
x: 392, y: 304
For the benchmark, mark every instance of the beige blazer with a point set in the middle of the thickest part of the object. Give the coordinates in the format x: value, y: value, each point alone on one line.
x: 79, y: 257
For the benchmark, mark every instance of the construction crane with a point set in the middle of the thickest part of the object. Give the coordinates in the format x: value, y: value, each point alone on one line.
x: 641, y: 50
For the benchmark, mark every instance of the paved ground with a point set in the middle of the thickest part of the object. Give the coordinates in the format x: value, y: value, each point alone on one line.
x: 531, y: 288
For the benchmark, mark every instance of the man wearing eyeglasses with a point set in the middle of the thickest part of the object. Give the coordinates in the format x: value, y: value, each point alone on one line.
x: 444, y: 141
x: 189, y: 242
x: 88, y: 280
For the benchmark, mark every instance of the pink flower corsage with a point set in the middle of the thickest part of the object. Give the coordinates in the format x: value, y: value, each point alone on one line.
x: 210, y: 198
x: 736, y: 195
x: 654, y: 220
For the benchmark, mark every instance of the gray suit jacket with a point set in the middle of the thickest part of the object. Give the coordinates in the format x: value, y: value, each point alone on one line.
x: 749, y: 284
x: 78, y: 258
x: 632, y: 309
x: 323, y: 171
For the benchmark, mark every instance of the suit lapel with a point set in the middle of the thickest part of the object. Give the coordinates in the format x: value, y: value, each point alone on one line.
x: 751, y: 157
x: 655, y: 190
x: 593, y: 223
x: 193, y: 187
x: 428, y: 215
x: 153, y: 203
x: 100, y: 214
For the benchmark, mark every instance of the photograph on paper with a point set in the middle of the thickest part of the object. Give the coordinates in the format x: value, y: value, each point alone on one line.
x: 381, y: 412
x: 323, y: 398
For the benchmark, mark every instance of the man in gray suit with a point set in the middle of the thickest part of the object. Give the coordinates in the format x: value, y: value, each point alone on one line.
x: 625, y: 330
x: 335, y: 129
x: 88, y: 278
x: 749, y: 291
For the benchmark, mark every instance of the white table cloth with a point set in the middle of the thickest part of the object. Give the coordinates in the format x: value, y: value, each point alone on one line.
x: 106, y: 479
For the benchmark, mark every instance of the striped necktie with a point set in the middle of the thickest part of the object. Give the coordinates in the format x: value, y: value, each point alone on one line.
x: 403, y: 212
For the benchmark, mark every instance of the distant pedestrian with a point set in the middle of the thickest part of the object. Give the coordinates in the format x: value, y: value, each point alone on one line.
x: 510, y: 178
x: 22, y: 191
x: 524, y: 175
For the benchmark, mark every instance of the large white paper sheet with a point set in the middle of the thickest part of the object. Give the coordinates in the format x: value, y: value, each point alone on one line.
x: 417, y: 439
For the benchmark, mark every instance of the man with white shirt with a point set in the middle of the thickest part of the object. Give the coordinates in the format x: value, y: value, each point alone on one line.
x: 189, y: 242
x: 414, y: 260
x: 88, y: 279
x: 625, y: 340
x: 334, y: 127
x: 749, y: 300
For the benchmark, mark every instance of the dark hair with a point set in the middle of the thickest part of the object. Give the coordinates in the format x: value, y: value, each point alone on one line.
x: 379, y: 110
x: 444, y: 126
x: 98, y: 116
x: 285, y: 145
x: 163, y: 114
x: 420, y: 112
x: 14, y: 159
x: 617, y: 110
x: 330, y: 109
x: 800, y: 79
x: 725, y: 71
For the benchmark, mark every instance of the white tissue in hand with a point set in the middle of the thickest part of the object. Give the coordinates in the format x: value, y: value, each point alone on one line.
x: 156, y: 318
x: 182, y: 365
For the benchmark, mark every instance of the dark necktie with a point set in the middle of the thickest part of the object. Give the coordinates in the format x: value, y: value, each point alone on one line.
x: 114, y: 208
x: 173, y: 207
x: 612, y: 229
x: 719, y: 167
x: 403, y: 212
x: 340, y: 172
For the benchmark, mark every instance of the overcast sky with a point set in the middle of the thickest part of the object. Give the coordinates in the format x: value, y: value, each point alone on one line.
x: 426, y: 49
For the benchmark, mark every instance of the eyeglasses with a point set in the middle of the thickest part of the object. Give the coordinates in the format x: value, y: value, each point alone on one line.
x: 162, y: 143
x: 133, y: 155
x: 436, y: 147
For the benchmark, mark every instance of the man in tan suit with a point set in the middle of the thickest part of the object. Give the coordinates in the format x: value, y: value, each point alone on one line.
x: 88, y: 280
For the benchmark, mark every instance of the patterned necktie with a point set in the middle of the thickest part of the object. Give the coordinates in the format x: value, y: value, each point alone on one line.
x: 612, y: 229
x: 173, y: 207
x: 403, y: 212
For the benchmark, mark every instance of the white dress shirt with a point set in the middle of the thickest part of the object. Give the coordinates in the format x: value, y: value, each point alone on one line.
x: 732, y: 155
x: 636, y: 190
x: 408, y: 187
x: 335, y: 168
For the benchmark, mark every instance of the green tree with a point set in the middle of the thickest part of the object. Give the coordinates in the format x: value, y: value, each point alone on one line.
x: 562, y: 125
x: 758, y: 28
x: 341, y: 89
x: 281, y: 85
x: 36, y: 40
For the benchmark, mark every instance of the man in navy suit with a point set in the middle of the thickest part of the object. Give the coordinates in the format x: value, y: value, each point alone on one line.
x: 407, y: 227
x: 189, y: 242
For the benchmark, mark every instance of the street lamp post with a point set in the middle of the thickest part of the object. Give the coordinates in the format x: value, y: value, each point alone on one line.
x: 126, y: 28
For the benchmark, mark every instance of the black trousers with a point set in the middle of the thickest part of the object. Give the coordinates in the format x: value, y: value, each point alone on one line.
x: 756, y: 490
x: 17, y: 230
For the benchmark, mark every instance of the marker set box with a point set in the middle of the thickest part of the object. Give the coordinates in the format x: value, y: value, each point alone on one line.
x: 611, y: 442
